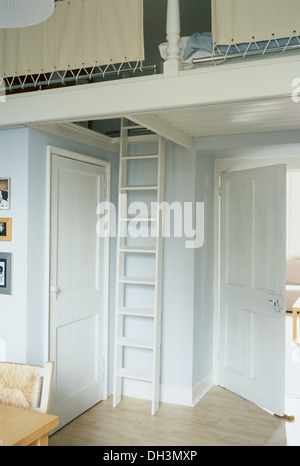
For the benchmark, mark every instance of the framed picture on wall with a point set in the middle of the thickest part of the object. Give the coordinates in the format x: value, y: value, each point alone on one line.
x: 5, y: 229
x: 5, y: 273
x: 4, y: 193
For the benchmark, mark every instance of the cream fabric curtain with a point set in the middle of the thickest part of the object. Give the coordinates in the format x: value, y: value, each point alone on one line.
x: 240, y: 20
x: 80, y: 33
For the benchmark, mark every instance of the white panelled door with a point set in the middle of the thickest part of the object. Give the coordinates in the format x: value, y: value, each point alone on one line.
x: 76, y: 293
x: 252, y: 285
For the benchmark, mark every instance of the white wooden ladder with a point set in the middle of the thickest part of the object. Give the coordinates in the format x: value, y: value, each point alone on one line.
x: 139, y: 267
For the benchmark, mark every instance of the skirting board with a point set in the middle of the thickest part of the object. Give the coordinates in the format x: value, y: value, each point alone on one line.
x: 169, y: 394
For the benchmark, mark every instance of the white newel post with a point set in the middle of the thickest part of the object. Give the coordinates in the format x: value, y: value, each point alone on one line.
x: 172, y: 64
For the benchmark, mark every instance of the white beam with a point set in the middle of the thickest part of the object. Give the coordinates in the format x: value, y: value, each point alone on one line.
x: 206, y: 86
x: 158, y: 126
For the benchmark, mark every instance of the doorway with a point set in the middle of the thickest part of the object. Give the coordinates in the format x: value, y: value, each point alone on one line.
x: 292, y: 347
x: 79, y: 262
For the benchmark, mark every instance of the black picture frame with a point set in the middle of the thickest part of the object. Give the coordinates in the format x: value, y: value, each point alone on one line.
x: 5, y: 273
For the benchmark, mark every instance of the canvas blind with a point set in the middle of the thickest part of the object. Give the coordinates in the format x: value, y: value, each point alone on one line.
x: 79, y: 34
x: 240, y: 20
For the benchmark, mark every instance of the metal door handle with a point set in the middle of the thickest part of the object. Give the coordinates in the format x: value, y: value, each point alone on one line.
x: 276, y: 301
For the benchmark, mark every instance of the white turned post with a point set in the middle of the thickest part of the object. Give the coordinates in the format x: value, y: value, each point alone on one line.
x: 172, y: 64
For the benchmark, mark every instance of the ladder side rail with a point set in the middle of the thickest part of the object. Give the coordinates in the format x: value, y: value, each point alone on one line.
x: 117, y: 393
x: 159, y: 276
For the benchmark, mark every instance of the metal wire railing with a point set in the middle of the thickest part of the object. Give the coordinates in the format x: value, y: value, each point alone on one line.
x: 74, y: 77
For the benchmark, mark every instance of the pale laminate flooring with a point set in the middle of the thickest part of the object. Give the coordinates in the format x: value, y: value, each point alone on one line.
x: 219, y: 419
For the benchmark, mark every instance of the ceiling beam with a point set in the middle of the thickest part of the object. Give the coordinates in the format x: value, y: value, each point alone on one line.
x: 158, y: 126
x: 80, y: 134
x: 153, y: 94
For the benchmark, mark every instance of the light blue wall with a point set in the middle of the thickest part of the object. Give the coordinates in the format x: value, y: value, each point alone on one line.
x: 204, y: 273
x: 178, y: 276
x: 187, y: 278
x: 187, y: 335
x: 23, y: 316
x: 13, y: 309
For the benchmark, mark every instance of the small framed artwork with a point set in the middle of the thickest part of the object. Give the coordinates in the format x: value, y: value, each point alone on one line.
x: 4, y: 193
x: 5, y: 229
x: 5, y: 273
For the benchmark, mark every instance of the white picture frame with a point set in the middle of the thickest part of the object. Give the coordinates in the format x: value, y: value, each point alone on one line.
x: 4, y: 193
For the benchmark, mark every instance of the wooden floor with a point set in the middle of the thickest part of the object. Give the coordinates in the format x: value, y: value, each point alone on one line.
x: 220, y: 419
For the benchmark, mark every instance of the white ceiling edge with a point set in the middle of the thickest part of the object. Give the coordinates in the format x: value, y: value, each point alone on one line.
x: 80, y: 134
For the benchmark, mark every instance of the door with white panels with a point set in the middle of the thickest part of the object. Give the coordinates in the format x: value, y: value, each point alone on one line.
x: 78, y: 286
x: 252, y: 285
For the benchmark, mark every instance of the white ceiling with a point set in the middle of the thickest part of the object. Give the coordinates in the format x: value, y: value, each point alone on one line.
x: 235, y: 118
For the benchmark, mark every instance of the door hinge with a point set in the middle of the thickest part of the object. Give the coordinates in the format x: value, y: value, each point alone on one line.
x: 220, y: 191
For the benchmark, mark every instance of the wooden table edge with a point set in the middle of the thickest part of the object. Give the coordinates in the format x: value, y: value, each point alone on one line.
x: 39, y: 437
x: 39, y: 434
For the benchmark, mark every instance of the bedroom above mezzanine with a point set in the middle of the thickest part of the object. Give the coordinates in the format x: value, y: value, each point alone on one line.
x: 239, y: 29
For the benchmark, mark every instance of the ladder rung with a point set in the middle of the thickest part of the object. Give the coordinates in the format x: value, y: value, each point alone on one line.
x: 136, y: 343
x: 139, y: 188
x: 137, y: 280
x: 133, y: 127
x: 140, y: 157
x: 130, y: 311
x: 128, y: 374
x: 138, y: 249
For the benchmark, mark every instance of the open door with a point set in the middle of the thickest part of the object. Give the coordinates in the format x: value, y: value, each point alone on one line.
x: 252, y: 285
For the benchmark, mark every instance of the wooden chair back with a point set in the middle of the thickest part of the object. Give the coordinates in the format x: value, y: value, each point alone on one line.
x: 26, y: 386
